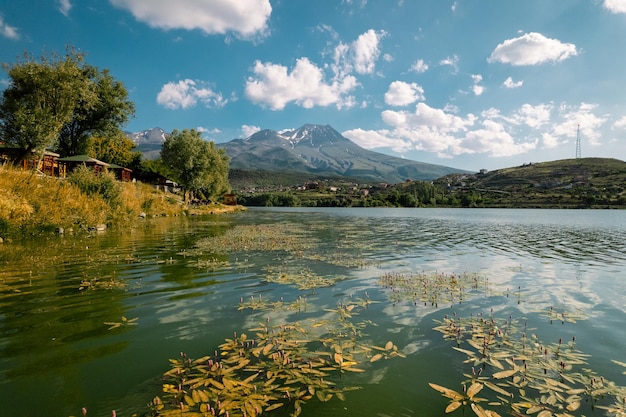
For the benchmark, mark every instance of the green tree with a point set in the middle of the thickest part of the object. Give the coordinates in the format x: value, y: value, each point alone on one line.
x: 100, y: 117
x: 41, y: 98
x: 197, y: 165
x: 114, y: 148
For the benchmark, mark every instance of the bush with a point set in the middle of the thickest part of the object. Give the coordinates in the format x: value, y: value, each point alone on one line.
x: 103, y: 184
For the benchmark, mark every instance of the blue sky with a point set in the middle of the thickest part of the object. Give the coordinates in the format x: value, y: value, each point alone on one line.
x: 468, y: 83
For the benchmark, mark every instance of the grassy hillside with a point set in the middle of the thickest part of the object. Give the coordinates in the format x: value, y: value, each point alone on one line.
x: 32, y: 204
x: 573, y: 183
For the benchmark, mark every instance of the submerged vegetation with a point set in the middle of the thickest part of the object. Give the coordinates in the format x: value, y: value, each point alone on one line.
x: 507, y: 368
x: 281, y: 366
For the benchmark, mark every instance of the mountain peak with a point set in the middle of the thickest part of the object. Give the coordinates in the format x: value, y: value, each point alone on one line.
x: 313, y: 135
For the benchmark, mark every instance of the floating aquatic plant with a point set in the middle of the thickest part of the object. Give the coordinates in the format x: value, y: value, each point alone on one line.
x: 432, y: 288
x: 125, y: 322
x: 260, y: 303
x: 280, y: 366
x: 563, y: 316
x: 101, y: 284
x: 302, y: 278
x: 525, y: 375
x: 288, y: 237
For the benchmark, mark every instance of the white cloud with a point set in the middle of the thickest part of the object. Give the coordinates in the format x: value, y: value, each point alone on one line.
x: 249, y: 130
x: 615, y: 6
x: 620, y: 123
x: 419, y: 66
x: 452, y: 61
x: 186, y: 93
x: 580, y: 117
x: 361, y: 55
x: 206, y: 130
x: 371, y: 139
x: 477, y: 89
x: 532, y: 49
x: 550, y: 141
x: 65, y: 6
x: 401, y: 93
x: 246, y: 18
x: 509, y: 83
x: 493, y: 139
x: 8, y: 31
x: 273, y: 85
x: 446, y: 134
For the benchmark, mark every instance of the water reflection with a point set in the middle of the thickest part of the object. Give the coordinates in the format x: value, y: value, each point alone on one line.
x: 55, y: 296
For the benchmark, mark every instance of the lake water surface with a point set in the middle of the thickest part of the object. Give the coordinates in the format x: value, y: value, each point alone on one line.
x: 91, y: 322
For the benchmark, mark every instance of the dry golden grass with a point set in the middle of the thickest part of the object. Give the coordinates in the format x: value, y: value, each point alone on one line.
x: 31, y: 202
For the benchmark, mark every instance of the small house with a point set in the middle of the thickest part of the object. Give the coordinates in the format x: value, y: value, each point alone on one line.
x: 46, y: 163
x: 230, y: 199
x: 72, y: 162
x: 121, y: 173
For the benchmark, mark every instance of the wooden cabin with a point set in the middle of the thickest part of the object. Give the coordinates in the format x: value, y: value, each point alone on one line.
x: 230, y: 199
x: 72, y: 162
x: 47, y: 164
x: 121, y: 173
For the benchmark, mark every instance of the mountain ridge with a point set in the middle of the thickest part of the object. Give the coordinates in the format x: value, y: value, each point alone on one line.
x: 317, y: 150
x: 321, y: 150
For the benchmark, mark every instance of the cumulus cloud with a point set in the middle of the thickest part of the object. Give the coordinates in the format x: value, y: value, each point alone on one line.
x: 8, y: 31
x: 491, y: 133
x: 65, y: 6
x: 419, y: 66
x: 620, y: 123
x: 246, y: 18
x: 401, y: 93
x: 533, y: 116
x: 477, y: 89
x: 186, y: 94
x: 509, y: 83
x: 532, y: 49
x: 580, y: 117
x: 274, y: 86
x: 361, y: 55
x: 249, y: 130
x: 615, y: 6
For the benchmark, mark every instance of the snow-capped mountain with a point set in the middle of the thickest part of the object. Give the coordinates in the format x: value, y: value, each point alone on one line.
x: 149, y: 142
x: 312, y: 149
x: 323, y: 151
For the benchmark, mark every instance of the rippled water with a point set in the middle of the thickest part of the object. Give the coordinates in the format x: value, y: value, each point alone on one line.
x: 58, y: 355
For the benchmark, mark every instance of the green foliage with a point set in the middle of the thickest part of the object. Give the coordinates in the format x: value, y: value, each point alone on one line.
x: 108, y: 109
x: 60, y: 102
x: 103, y: 184
x: 197, y: 165
x: 150, y: 170
x: 271, y: 200
x: 114, y: 148
x: 41, y: 98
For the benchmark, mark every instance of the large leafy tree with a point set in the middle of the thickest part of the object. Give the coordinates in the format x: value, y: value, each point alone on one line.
x: 60, y: 102
x: 115, y: 148
x: 41, y: 98
x: 102, y: 116
x: 197, y: 165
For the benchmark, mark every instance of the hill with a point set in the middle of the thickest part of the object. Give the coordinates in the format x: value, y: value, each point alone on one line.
x: 322, y: 152
x: 571, y: 183
x: 585, y: 182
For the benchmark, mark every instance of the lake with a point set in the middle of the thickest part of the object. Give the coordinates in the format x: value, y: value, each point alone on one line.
x: 521, y: 294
